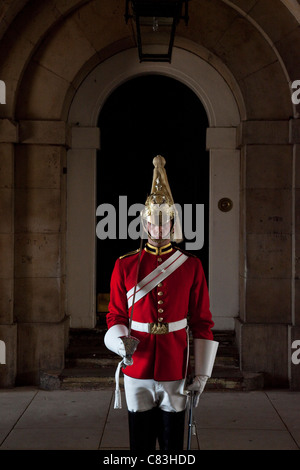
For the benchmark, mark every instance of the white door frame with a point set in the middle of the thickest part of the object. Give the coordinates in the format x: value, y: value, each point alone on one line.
x: 223, y: 115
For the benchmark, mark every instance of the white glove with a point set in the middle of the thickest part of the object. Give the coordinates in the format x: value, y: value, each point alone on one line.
x: 114, y: 343
x: 197, y: 386
x: 205, y: 353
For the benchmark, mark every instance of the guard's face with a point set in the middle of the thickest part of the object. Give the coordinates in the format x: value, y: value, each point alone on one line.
x: 159, y: 232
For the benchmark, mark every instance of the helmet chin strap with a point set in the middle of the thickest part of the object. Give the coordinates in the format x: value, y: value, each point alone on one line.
x: 162, y: 239
x: 156, y: 240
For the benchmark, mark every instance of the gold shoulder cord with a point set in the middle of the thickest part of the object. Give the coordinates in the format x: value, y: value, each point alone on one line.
x: 129, y: 254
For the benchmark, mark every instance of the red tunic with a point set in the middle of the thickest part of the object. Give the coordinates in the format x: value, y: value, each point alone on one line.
x: 183, y: 294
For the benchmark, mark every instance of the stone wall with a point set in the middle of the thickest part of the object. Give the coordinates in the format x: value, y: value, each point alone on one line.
x: 267, y: 316
x: 40, y: 226
x: 45, y: 53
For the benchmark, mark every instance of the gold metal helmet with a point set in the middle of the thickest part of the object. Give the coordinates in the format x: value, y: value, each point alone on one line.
x: 159, y: 207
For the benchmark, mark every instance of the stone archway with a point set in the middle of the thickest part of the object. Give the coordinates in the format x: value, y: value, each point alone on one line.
x: 224, y: 117
x: 47, y: 51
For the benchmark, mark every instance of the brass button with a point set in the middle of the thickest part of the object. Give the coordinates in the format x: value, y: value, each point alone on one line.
x: 160, y: 302
x: 160, y: 310
x: 160, y: 293
x: 159, y: 259
x: 159, y: 285
x: 160, y: 319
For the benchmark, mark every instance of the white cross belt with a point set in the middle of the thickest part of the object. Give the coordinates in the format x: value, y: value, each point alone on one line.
x: 156, y: 276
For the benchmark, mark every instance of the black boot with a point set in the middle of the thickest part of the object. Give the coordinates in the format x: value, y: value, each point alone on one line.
x: 171, y: 430
x: 143, y: 430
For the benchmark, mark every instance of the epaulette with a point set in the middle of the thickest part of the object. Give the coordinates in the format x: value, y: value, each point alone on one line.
x: 188, y: 253
x: 130, y: 253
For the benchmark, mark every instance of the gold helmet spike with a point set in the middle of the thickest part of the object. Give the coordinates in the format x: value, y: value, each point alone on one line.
x: 159, y: 206
x: 160, y: 186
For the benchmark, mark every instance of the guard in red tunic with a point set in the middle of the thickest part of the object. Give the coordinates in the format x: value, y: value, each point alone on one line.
x: 155, y: 313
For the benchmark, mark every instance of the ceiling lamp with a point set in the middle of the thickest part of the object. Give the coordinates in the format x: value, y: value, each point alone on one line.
x: 155, y: 24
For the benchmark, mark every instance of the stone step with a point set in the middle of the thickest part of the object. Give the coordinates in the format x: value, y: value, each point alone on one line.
x: 223, y: 378
x: 87, y: 349
x: 106, y: 360
x: 90, y: 365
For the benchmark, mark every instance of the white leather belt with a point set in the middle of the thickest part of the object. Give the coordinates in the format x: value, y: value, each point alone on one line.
x: 159, y: 328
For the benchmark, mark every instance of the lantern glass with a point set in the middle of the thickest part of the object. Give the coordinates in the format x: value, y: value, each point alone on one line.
x: 155, y: 22
x: 155, y: 38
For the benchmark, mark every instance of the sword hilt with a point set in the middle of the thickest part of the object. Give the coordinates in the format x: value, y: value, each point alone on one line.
x: 130, y: 344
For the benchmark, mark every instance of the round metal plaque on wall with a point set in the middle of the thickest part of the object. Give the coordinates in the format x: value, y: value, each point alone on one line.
x: 225, y: 204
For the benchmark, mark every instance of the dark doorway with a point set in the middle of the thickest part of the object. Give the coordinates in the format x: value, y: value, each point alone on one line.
x: 144, y: 117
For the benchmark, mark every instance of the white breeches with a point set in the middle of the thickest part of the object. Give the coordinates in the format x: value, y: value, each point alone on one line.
x: 145, y: 394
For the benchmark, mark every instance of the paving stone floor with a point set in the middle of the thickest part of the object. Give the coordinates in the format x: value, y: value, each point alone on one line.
x: 34, y: 419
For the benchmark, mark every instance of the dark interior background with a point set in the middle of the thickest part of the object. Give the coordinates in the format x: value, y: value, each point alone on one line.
x: 147, y: 116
